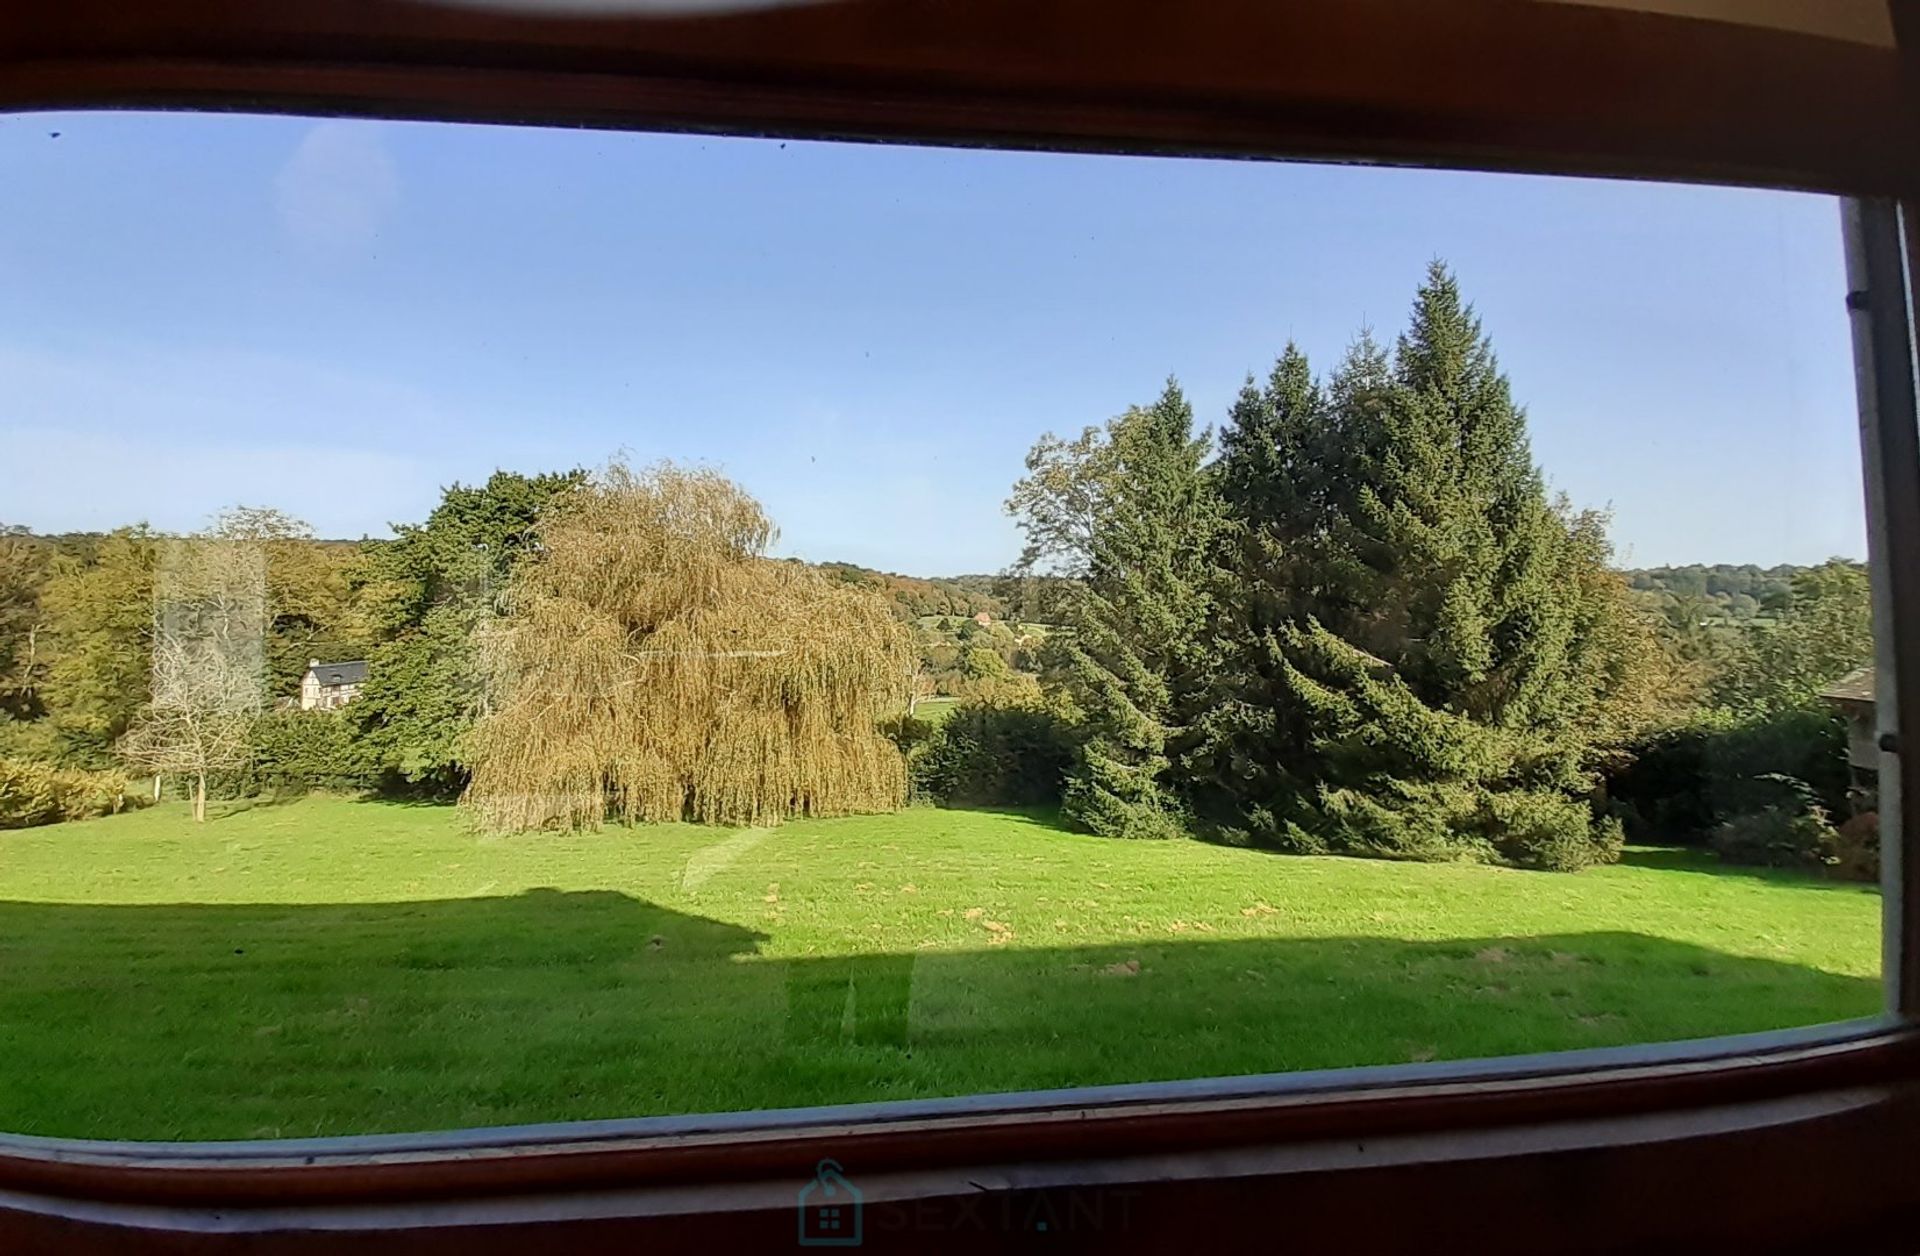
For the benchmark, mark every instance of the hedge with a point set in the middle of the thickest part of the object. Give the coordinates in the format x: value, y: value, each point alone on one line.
x: 39, y: 793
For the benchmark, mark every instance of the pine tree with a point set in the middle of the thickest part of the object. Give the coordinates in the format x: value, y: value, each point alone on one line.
x: 1132, y: 653
x: 1444, y: 657
x: 1248, y: 744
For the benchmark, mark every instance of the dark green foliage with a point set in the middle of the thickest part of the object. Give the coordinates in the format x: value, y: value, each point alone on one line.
x: 987, y: 754
x: 1685, y: 782
x: 296, y: 751
x: 421, y: 697
x: 466, y: 547
x: 1757, y: 774
x: 1244, y: 760
x: 1418, y: 655
x: 1402, y: 779
x: 1438, y: 822
x: 908, y: 732
x: 1792, y: 833
x: 1132, y: 653
x: 34, y: 740
x: 432, y: 586
x: 1548, y: 830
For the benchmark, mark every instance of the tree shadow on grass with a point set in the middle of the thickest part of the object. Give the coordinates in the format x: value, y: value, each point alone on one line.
x: 1042, y: 817
x: 270, y: 1020
x: 225, y: 808
x: 407, y: 802
x: 1692, y: 859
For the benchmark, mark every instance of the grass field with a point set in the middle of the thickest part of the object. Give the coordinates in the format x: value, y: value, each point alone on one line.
x: 935, y: 710
x: 330, y: 967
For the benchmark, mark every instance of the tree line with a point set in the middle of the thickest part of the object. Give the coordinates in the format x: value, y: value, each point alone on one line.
x: 1354, y: 620
x: 557, y: 648
x: 1351, y: 620
x: 1363, y: 627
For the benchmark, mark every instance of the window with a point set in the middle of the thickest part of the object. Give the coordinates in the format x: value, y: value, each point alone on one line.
x: 868, y: 988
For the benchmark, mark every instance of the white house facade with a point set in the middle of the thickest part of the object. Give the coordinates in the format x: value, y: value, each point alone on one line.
x: 330, y: 685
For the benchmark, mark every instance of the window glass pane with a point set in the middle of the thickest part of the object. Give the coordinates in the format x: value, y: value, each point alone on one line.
x: 506, y: 625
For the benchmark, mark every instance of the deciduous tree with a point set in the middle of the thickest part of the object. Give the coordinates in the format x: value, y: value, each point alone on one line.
x: 208, y: 666
x: 653, y: 664
x: 1824, y: 632
x: 309, y: 588
x: 98, y: 613
x: 24, y: 563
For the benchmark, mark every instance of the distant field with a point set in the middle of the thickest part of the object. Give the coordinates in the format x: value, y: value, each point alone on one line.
x: 934, y: 710
x: 329, y: 967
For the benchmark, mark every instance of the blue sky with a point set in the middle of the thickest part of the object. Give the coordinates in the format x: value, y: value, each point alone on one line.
x: 339, y: 317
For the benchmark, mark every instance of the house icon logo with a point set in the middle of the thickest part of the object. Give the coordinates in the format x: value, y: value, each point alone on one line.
x: 829, y: 1209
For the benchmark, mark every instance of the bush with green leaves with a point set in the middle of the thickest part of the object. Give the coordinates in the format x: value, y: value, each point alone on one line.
x: 1684, y: 783
x: 1792, y: 831
x: 1539, y: 829
x: 992, y: 754
x: 299, y: 751
x: 908, y: 732
x: 39, y: 793
x: 1780, y: 837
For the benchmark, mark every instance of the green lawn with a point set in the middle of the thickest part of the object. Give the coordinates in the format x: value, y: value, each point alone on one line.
x: 935, y: 710
x: 329, y: 967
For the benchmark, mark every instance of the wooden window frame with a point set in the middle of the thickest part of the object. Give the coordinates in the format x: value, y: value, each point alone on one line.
x: 1771, y: 1141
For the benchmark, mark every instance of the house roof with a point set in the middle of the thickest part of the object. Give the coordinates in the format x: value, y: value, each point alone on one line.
x: 351, y: 672
x: 1855, y: 686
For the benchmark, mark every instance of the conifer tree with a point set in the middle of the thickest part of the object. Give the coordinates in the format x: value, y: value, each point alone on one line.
x: 1247, y: 749
x: 1132, y: 652
x: 1437, y: 656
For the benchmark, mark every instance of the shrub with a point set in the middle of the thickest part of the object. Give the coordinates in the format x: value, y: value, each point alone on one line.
x: 1684, y: 783
x: 1779, y: 837
x: 297, y: 751
x: 38, y: 793
x: 993, y: 754
x: 908, y: 732
x: 1427, y: 824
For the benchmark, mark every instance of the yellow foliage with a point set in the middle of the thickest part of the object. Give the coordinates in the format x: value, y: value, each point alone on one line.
x: 653, y: 664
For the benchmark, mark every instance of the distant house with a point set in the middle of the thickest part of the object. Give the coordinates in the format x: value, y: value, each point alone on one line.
x: 330, y: 685
x: 1853, y: 695
x: 982, y: 618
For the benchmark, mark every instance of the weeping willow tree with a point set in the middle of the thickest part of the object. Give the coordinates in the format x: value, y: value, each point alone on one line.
x: 652, y: 664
